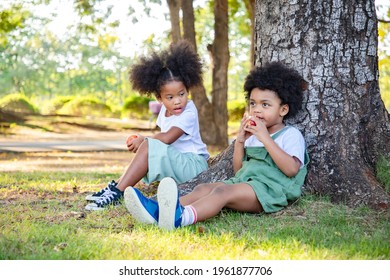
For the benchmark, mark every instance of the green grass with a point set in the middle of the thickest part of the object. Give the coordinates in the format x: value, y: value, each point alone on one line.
x: 383, y: 172
x: 42, y: 217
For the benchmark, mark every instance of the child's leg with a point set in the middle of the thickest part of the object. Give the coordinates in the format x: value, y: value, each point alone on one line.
x: 172, y: 214
x: 137, y: 168
x: 198, y: 192
x: 240, y: 197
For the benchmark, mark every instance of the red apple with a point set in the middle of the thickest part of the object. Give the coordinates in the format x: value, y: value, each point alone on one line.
x: 131, y: 137
x: 252, y: 123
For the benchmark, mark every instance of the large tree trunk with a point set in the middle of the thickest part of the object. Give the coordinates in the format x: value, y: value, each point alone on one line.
x: 212, y: 115
x: 334, y: 45
x: 220, y: 56
x: 206, y: 119
x: 189, y: 22
x: 220, y: 168
x: 250, y: 6
x: 174, y: 12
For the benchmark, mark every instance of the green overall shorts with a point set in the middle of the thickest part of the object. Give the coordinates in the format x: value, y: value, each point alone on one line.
x: 272, y: 187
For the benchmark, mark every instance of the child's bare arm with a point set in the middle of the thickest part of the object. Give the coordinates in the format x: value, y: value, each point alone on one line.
x: 170, y: 136
x: 238, y: 153
x: 287, y: 164
x: 166, y: 137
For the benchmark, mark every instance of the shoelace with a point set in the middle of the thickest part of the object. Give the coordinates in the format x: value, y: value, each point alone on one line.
x: 106, y: 198
x: 104, y: 190
x: 108, y: 188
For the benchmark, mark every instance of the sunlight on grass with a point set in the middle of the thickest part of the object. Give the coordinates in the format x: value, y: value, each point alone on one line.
x: 383, y: 172
x: 42, y: 216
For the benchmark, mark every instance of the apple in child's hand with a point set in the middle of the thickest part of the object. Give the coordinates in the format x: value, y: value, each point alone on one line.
x: 252, y: 123
x: 131, y: 137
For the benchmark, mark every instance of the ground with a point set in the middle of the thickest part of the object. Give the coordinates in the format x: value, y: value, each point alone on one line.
x: 38, y: 130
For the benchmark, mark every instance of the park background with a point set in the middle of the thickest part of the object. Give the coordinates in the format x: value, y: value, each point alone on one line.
x: 68, y: 76
x: 65, y: 58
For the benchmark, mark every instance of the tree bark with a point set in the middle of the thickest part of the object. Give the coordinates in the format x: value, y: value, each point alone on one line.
x: 334, y: 46
x: 220, y: 168
x: 212, y: 115
x: 206, y: 117
x: 174, y: 12
x: 250, y: 6
x: 189, y: 22
x: 220, y: 56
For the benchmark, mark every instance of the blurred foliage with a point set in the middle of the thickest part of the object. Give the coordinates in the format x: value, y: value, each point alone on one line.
x: 11, y: 19
x: 136, y: 106
x: 86, y: 106
x: 17, y: 103
x: 52, y: 106
x: 42, y: 65
x: 384, y: 62
x: 236, y: 109
x: 37, y: 62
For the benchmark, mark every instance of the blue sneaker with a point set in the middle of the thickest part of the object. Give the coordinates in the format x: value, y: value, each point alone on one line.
x: 143, y: 209
x: 169, y: 205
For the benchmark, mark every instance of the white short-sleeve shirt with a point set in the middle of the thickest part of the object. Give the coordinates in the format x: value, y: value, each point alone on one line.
x: 190, y: 141
x: 291, y: 141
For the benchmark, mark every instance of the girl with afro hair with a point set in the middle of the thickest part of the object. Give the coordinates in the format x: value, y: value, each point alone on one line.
x: 177, y: 150
x: 269, y: 158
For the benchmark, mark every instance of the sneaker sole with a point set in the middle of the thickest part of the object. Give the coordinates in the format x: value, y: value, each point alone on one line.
x: 167, y: 198
x: 136, y: 208
x: 91, y: 198
x: 93, y: 207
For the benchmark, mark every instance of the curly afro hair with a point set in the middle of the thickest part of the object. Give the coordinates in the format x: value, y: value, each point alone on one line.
x: 286, y: 82
x: 179, y: 62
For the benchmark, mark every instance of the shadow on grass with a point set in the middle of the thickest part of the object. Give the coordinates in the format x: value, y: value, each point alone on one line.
x: 42, y: 214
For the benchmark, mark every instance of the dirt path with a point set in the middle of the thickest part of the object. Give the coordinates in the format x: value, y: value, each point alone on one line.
x: 68, y: 137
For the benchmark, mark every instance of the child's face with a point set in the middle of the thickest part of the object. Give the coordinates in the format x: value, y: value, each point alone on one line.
x: 174, y: 96
x: 266, y: 106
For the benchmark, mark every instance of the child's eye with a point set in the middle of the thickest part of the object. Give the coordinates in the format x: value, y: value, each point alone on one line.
x: 169, y: 97
x: 265, y: 105
x: 252, y: 103
x: 182, y: 93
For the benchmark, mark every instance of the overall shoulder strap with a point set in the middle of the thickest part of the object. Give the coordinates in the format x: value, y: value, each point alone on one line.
x: 280, y: 132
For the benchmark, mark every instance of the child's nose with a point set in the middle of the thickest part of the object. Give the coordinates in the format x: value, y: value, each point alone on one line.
x: 257, y: 109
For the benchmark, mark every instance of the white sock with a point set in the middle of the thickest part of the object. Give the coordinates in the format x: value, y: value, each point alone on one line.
x: 189, y: 216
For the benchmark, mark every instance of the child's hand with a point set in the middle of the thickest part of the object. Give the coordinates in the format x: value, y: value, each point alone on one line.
x: 243, y: 134
x: 256, y: 127
x: 133, y: 142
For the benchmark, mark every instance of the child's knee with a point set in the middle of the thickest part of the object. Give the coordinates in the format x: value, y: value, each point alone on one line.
x: 144, y: 146
x: 203, y: 188
x: 221, y: 189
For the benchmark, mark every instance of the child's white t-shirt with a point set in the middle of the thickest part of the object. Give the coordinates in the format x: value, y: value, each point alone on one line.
x: 190, y: 141
x: 291, y: 141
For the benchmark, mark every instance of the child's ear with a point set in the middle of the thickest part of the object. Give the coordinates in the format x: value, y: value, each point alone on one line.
x: 284, y: 110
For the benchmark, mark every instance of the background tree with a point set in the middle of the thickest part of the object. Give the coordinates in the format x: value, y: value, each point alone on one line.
x: 334, y: 46
x: 213, y: 117
x: 40, y: 64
